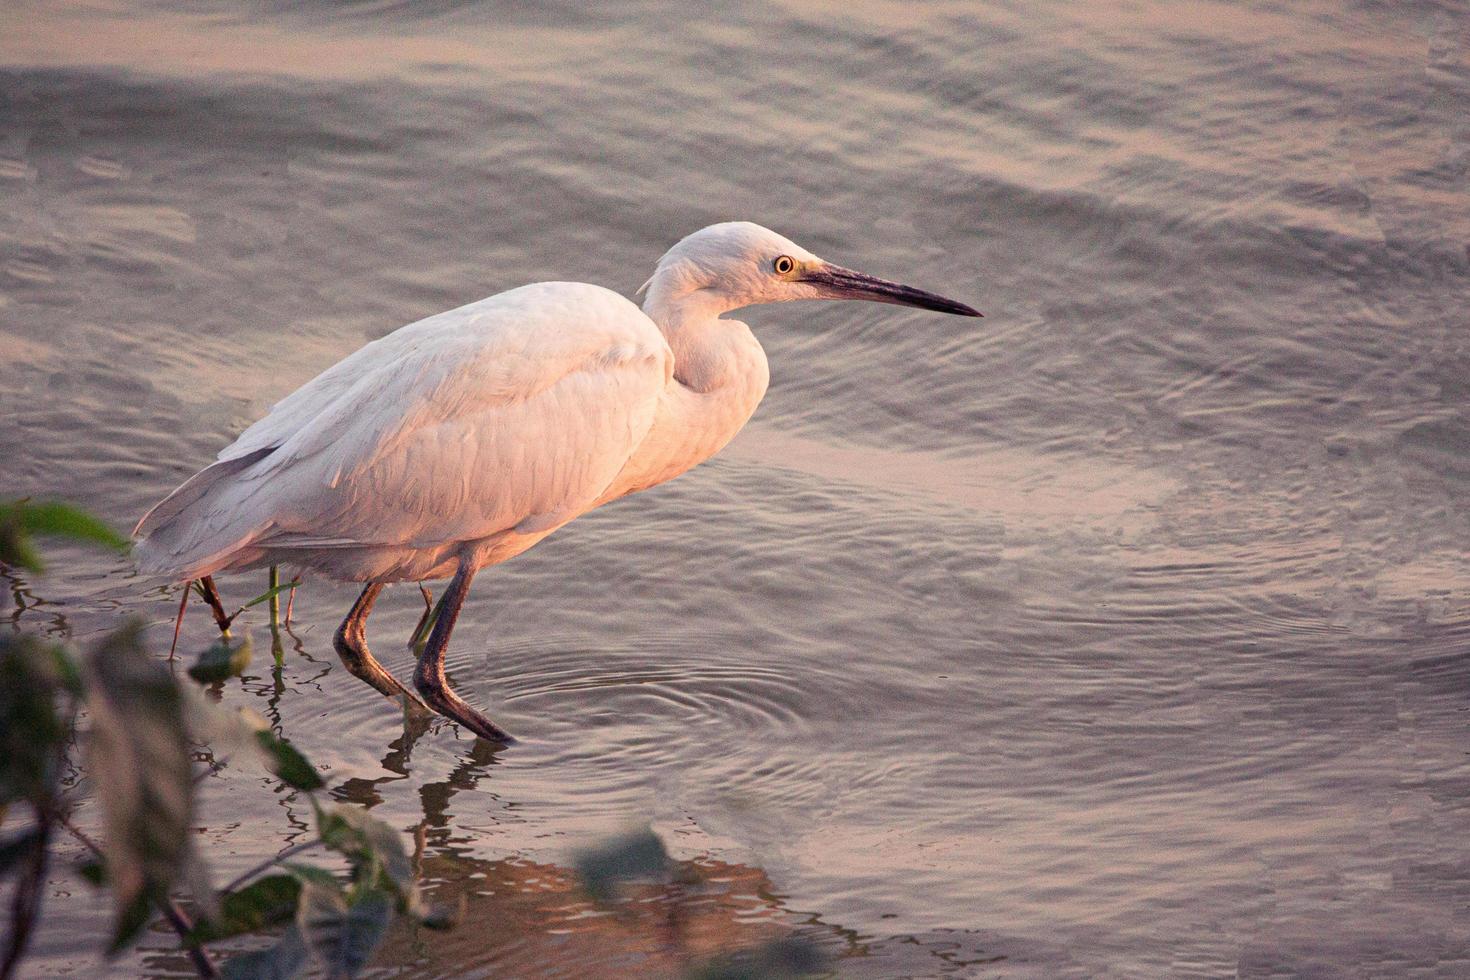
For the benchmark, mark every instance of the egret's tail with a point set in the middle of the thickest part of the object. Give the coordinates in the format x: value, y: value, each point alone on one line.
x: 203, y: 526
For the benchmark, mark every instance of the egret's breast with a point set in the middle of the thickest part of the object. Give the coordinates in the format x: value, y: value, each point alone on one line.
x: 695, y: 422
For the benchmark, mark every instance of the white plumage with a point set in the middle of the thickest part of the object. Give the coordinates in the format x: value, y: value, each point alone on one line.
x: 507, y: 417
x: 462, y: 439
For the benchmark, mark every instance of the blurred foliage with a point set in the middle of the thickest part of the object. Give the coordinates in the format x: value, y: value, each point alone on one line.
x: 138, y: 757
x: 635, y: 856
x: 21, y: 519
x: 608, y: 870
x: 781, y: 959
x: 39, y: 692
x: 136, y: 752
x: 287, y: 762
x: 39, y: 688
x: 265, y: 902
x: 373, y: 850
x: 341, y: 931
x: 225, y: 658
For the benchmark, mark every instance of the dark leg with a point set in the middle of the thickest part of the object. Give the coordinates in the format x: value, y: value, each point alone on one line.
x: 351, y: 644
x: 429, y: 677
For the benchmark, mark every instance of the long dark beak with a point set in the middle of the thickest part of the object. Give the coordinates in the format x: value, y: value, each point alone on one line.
x: 835, y: 282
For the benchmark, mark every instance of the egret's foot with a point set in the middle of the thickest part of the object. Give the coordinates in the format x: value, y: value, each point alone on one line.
x: 429, y: 676
x: 365, y: 667
x: 438, y: 696
x: 350, y: 642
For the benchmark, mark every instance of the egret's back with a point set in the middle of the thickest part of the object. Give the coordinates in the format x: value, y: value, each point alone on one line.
x: 507, y: 416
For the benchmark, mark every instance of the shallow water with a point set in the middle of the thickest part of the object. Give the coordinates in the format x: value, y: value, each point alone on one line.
x: 1123, y: 633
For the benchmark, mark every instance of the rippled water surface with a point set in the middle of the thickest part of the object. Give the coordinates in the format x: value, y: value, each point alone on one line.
x: 1124, y: 633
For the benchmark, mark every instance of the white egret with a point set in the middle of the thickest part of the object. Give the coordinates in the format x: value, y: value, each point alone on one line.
x: 461, y: 440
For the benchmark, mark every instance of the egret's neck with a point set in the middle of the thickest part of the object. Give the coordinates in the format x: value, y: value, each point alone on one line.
x: 720, y: 373
x: 709, y: 353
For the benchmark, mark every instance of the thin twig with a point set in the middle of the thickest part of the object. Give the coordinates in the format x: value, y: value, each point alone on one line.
x: 176, y: 916
x: 184, y: 926
x: 269, y: 863
x: 77, y: 832
x: 179, y: 621
x: 212, y: 767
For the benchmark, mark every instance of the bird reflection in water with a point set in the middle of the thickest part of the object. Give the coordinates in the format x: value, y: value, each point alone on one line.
x: 539, y: 914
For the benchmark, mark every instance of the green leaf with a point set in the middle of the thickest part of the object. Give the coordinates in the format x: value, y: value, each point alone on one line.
x: 20, y: 519
x: 342, y: 937
x: 282, y: 961
x: 373, y: 848
x: 16, y: 549
x: 66, y: 521
x: 138, y: 757
x: 293, y: 768
x: 272, y: 592
x: 267, y: 901
x: 224, y: 659
x: 639, y: 854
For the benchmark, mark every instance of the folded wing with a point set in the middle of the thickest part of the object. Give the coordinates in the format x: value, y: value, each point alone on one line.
x: 512, y: 413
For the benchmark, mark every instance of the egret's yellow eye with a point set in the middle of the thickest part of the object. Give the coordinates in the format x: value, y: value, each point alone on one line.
x: 783, y: 265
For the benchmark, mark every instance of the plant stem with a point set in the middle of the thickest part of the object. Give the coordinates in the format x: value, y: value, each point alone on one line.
x: 176, y: 916
x: 427, y: 621
x: 269, y: 863
x: 211, y: 596
x: 179, y: 620
x: 275, y: 603
x: 26, y: 905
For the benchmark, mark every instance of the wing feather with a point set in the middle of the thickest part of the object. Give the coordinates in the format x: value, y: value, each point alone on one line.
x: 515, y: 412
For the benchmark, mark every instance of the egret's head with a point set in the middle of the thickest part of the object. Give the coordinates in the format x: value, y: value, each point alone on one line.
x: 737, y: 263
